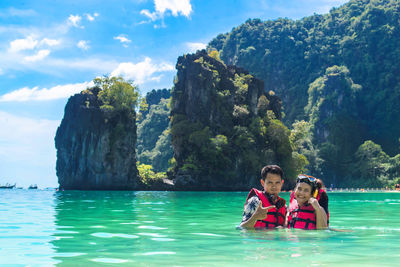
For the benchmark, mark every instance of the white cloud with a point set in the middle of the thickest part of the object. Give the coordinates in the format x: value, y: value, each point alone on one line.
x: 193, y: 47
x: 31, y: 43
x: 162, y: 25
x: 41, y: 54
x: 75, y: 20
x: 162, y: 7
x: 28, y: 43
x: 1, y: 71
x: 14, y: 12
x: 84, y: 45
x: 56, y: 66
x: 91, y: 17
x: 123, y: 40
x: 150, y: 15
x: 143, y: 71
x: 175, y: 6
x: 36, y: 94
x: 49, y: 42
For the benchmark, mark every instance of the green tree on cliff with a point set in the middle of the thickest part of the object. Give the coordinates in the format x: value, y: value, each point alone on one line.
x: 119, y: 100
x: 117, y: 95
x: 371, y: 165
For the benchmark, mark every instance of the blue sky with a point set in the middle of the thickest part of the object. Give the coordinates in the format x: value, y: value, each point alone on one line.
x: 50, y: 50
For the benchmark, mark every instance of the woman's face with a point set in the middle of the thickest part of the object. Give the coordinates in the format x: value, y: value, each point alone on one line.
x: 302, y: 193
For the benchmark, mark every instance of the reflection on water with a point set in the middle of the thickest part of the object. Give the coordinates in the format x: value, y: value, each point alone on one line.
x: 187, y: 228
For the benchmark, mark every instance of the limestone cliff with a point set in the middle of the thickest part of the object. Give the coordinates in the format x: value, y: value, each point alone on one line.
x: 224, y: 126
x: 95, y: 150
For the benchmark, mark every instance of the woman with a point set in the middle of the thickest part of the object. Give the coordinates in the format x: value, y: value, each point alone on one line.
x: 305, y: 211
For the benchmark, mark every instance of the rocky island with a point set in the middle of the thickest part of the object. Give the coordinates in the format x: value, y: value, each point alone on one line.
x: 96, y: 144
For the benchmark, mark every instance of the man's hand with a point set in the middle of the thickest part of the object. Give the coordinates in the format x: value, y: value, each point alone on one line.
x: 261, y: 212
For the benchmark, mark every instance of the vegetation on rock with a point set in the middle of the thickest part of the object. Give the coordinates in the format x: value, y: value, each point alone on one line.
x: 336, y: 72
x: 154, y: 141
x: 224, y: 126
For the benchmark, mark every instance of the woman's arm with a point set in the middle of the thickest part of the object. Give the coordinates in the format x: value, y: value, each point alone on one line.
x: 320, y: 214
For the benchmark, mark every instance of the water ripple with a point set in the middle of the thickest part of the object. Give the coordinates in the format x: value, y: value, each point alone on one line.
x: 163, y: 239
x: 69, y: 254
x: 152, y: 234
x: 208, y: 234
x: 152, y: 203
x: 158, y: 253
x: 109, y: 260
x: 110, y: 235
x: 151, y: 227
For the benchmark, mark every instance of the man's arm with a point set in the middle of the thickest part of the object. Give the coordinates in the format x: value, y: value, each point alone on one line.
x: 259, y: 214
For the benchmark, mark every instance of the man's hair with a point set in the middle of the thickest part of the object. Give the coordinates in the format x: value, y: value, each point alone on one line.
x: 274, y: 169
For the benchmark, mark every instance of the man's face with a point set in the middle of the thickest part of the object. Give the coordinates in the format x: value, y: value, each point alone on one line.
x: 272, y: 184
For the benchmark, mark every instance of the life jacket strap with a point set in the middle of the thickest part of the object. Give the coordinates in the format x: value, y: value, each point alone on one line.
x: 275, y: 224
x: 301, y: 210
x: 307, y: 221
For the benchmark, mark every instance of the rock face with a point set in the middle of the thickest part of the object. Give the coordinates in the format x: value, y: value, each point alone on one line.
x: 223, y: 125
x: 95, y: 151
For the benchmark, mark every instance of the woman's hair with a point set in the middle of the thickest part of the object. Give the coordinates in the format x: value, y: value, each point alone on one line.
x: 318, y: 185
x: 315, y: 183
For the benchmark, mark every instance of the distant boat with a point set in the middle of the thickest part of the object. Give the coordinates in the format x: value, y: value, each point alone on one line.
x: 7, y: 186
x: 33, y: 186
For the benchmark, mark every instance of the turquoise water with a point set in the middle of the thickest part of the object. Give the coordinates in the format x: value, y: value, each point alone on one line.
x: 45, y: 228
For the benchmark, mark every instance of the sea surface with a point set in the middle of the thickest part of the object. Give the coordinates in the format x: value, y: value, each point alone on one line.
x: 109, y: 228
